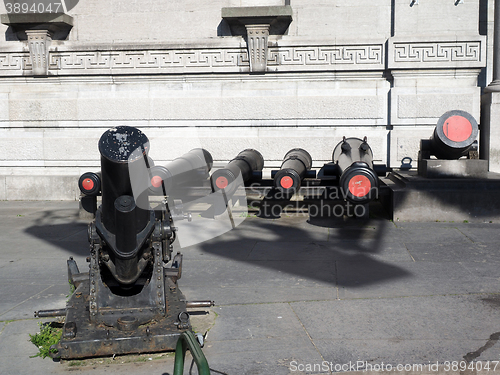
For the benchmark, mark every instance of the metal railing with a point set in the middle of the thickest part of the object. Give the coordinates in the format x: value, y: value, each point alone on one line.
x: 188, y: 341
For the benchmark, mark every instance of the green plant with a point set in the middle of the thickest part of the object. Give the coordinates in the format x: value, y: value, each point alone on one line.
x: 71, y: 289
x: 466, y: 221
x: 50, y: 334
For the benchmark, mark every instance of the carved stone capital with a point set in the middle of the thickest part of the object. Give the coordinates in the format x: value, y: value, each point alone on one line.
x: 38, y: 43
x: 257, y: 37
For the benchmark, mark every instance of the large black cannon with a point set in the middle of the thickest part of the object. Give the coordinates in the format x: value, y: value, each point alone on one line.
x: 354, y: 162
x: 246, y: 165
x: 295, y: 165
x: 454, y: 136
x: 191, y: 168
x: 129, y: 301
x: 454, y: 147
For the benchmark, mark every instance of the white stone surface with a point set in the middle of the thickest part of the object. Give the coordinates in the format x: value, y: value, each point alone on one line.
x: 255, y: 3
x: 425, y: 105
x: 405, y: 142
x: 491, y: 128
x: 29, y: 187
x: 436, y: 17
x: 341, y: 18
x: 3, y: 192
x: 380, y: 69
x: 216, y: 100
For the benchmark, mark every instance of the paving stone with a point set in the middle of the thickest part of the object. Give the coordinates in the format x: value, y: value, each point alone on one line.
x: 15, y: 294
x: 291, y: 229
x: 453, y: 252
x: 487, y: 234
x: 438, y: 234
x: 379, y: 233
x: 267, y: 274
x: 317, y: 250
x: 256, y: 321
x: 486, y: 269
x: 237, y: 248
x: 472, y: 317
x: 15, y: 350
x: 363, y: 279
x: 244, y: 295
x: 400, y: 351
x: 53, y: 297
x: 27, y: 271
x: 229, y: 282
x: 271, y: 356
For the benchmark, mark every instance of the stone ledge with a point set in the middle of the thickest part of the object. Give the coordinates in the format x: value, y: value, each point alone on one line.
x: 278, y: 17
x: 247, y: 12
x: 59, y: 24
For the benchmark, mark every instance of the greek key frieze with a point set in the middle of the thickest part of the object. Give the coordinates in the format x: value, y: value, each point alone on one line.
x: 437, y: 52
x: 318, y: 55
x: 147, y: 59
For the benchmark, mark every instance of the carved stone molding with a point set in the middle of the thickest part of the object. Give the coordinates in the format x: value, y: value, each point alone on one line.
x: 459, y: 53
x: 340, y: 57
x: 38, y: 43
x: 234, y: 58
x: 257, y: 36
x: 224, y: 59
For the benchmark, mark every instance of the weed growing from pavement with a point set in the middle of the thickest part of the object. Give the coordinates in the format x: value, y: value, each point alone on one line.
x: 50, y: 334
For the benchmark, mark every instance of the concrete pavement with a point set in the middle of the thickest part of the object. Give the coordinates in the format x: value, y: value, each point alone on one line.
x: 290, y: 293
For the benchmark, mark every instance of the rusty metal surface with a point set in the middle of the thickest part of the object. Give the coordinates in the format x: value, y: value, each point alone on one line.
x: 84, y: 338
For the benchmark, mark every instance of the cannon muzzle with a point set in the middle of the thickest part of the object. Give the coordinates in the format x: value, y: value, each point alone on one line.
x: 245, y: 165
x: 190, y: 169
x: 295, y: 165
x: 354, y: 160
x: 455, y: 134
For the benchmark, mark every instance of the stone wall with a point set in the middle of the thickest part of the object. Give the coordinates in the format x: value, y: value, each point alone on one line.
x: 385, y: 69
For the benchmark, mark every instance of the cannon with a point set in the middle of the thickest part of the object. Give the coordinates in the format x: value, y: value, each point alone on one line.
x: 454, y: 147
x: 191, y: 168
x: 247, y: 164
x: 296, y: 163
x: 454, y: 136
x: 129, y: 301
x: 353, y: 159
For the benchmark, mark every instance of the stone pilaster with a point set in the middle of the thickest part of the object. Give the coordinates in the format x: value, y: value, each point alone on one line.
x: 494, y: 86
x: 257, y: 46
x: 489, y: 146
x: 38, y: 43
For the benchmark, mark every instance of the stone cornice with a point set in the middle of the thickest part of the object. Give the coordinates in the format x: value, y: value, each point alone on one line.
x: 229, y: 55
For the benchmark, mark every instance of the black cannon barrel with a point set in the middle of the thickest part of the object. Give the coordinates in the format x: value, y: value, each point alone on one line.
x: 247, y: 162
x: 90, y: 183
x: 192, y: 167
x: 454, y: 135
x: 354, y: 160
x: 120, y: 147
x: 293, y: 170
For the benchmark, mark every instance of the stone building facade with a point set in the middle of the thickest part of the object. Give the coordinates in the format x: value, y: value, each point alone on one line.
x: 225, y: 76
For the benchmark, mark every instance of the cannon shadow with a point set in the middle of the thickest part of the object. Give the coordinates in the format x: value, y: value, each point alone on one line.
x: 290, y: 252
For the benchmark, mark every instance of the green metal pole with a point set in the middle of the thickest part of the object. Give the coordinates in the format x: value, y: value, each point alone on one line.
x: 188, y: 340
